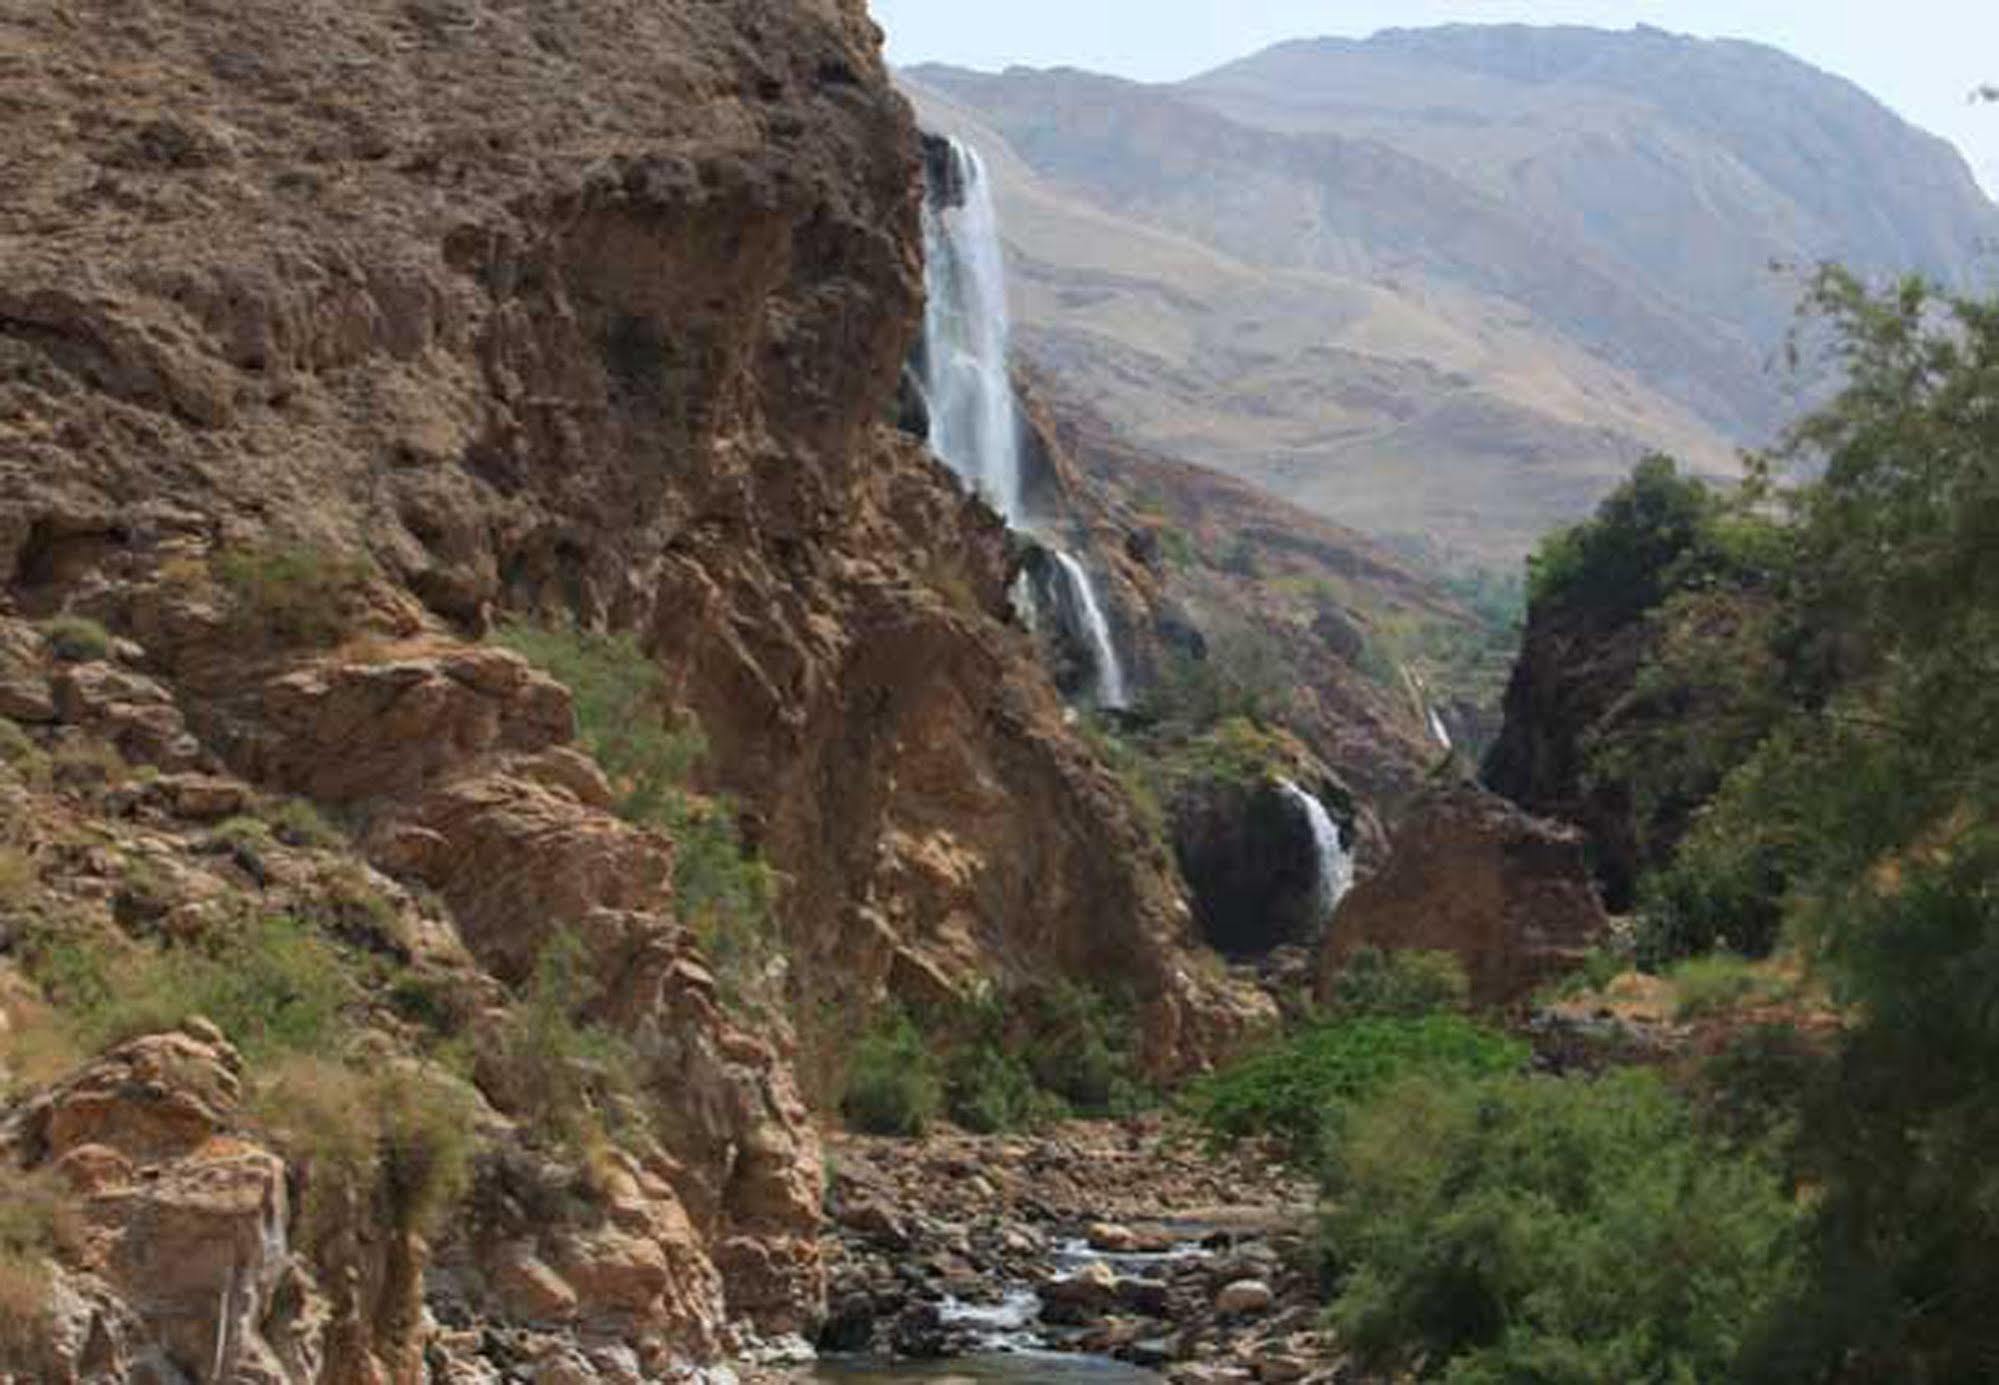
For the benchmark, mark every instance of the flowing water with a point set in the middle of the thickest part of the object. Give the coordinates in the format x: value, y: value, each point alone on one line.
x: 1021, y: 1368
x: 968, y: 383
x: 1439, y: 730
x: 974, y: 418
x: 1109, y: 690
x: 1335, y: 861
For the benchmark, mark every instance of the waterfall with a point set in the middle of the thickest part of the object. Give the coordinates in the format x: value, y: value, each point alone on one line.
x: 1438, y: 729
x: 967, y: 384
x: 1109, y: 690
x: 1335, y: 861
x: 974, y: 419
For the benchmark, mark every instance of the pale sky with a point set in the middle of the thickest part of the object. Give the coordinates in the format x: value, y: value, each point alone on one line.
x: 1921, y: 57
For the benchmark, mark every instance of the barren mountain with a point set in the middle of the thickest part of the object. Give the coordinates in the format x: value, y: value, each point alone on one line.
x: 1450, y: 281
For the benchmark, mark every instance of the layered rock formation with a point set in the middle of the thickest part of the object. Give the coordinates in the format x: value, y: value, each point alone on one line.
x: 334, y: 333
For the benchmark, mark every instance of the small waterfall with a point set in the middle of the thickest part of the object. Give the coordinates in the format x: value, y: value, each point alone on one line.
x: 1109, y: 689
x: 967, y: 338
x: 966, y: 383
x: 1438, y: 729
x: 1336, y: 869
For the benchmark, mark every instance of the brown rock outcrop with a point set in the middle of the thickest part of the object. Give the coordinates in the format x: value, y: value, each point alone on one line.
x: 591, y: 316
x: 1472, y: 875
x: 444, y: 313
x: 187, y: 1244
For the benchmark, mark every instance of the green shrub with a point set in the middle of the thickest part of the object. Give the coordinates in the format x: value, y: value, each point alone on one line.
x: 988, y: 1090
x: 1083, y: 1049
x: 1528, y: 1229
x: 1715, y: 984
x: 625, y: 720
x: 1293, y: 1088
x: 1724, y: 889
x: 76, y: 639
x: 573, y: 1083
x: 271, y: 985
x: 1757, y: 1087
x: 38, y: 1222
x: 84, y: 762
x: 892, y: 1086
x: 20, y: 881
x: 988, y: 1083
x: 436, y: 1001
x: 349, y: 906
x: 396, y: 1143
x: 1405, y: 983
x: 296, y: 822
x: 20, y: 752
x: 624, y: 717
x: 293, y: 594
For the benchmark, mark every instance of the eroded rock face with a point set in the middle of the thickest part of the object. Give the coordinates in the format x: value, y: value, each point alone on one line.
x: 590, y: 315
x: 1470, y: 874
x: 187, y: 1247
x: 616, y: 342
x: 1572, y: 683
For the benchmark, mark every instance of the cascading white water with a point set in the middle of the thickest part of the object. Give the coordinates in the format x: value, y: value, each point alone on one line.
x: 1335, y: 861
x: 1438, y: 729
x: 1109, y: 689
x: 968, y: 382
x: 974, y: 419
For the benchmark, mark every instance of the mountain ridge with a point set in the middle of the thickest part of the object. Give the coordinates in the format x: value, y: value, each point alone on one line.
x: 1478, y: 270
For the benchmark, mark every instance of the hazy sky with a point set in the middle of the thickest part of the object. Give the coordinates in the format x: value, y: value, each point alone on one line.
x: 1922, y: 57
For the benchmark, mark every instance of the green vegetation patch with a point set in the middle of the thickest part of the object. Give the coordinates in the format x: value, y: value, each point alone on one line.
x: 625, y: 719
x: 293, y: 594
x: 1534, y: 1229
x: 1292, y: 1089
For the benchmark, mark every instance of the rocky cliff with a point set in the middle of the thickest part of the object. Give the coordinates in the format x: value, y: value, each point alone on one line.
x: 333, y: 336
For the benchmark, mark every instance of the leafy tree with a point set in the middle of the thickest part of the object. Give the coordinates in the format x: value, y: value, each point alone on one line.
x: 1520, y: 1229
x: 1866, y: 822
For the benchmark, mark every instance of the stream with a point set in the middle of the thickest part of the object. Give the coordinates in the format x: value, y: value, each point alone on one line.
x: 1027, y: 1367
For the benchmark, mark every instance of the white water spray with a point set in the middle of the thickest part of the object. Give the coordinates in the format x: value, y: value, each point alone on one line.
x: 1336, y: 868
x: 974, y: 419
x: 1110, y: 691
x: 968, y: 381
x: 1438, y: 729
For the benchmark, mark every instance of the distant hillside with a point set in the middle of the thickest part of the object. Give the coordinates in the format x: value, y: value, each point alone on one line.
x: 1449, y: 282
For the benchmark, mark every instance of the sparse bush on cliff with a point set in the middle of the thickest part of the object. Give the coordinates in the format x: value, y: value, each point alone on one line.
x: 573, y: 1083
x: 1719, y: 982
x: 296, y: 822
x: 892, y: 1085
x: 292, y: 594
x: 272, y: 985
x: 20, y: 753
x: 38, y: 1221
x: 1534, y: 1229
x: 626, y: 721
x: 76, y: 639
x: 395, y: 1144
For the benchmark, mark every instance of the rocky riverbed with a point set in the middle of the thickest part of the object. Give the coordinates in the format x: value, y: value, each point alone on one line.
x: 1093, y: 1251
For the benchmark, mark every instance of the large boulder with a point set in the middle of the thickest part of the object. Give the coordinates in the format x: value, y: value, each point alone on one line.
x: 1472, y: 875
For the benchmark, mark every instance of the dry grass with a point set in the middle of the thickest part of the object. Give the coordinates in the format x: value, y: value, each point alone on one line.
x: 397, y: 1141
x: 38, y: 1223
